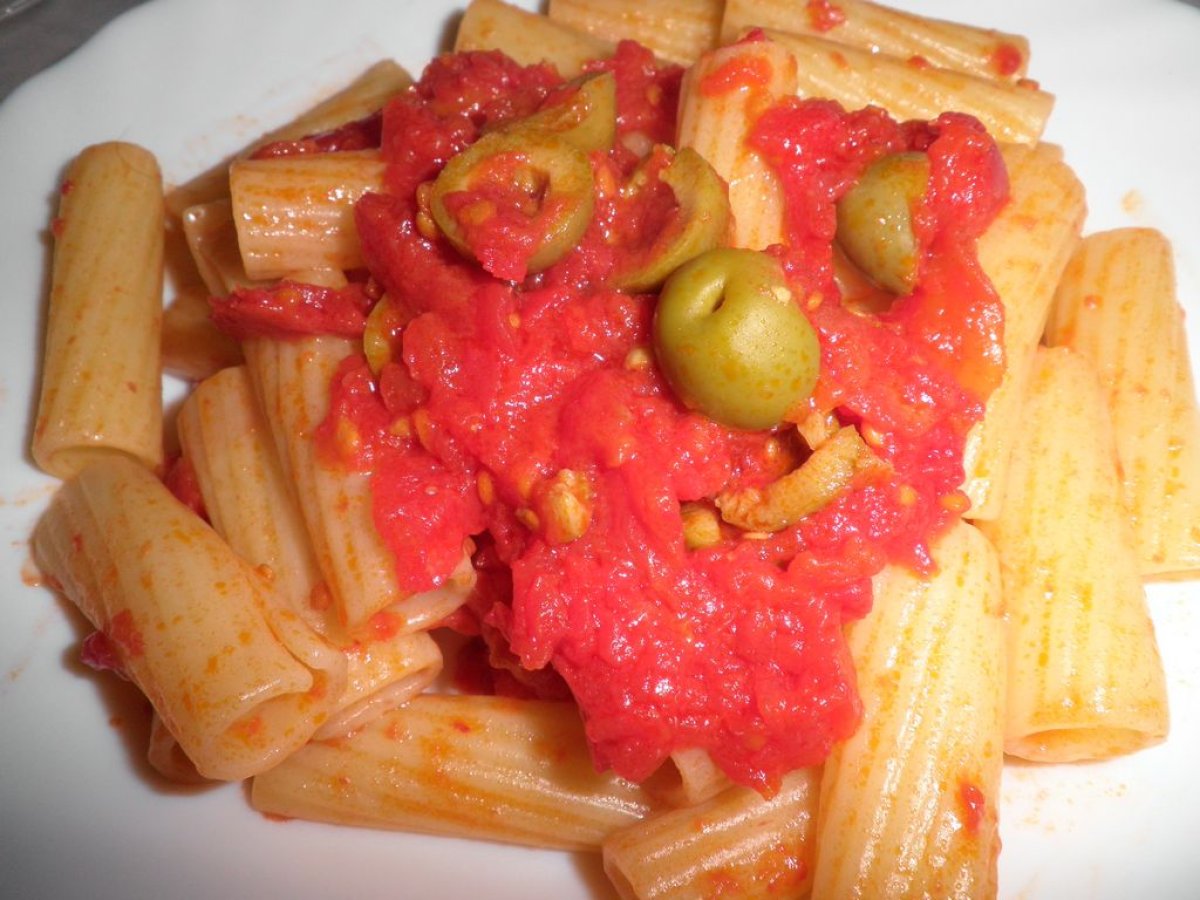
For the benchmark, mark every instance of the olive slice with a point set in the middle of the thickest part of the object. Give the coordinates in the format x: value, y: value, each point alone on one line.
x: 700, y: 224
x: 874, y: 220
x: 585, y: 116
x: 385, y: 322
x: 517, y: 201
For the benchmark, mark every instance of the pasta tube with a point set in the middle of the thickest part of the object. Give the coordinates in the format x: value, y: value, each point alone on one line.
x: 1116, y: 305
x: 297, y: 212
x: 213, y: 241
x: 527, y: 37
x: 857, y: 77
x: 882, y: 29
x: 382, y: 674
x: 716, y: 114
x: 365, y: 95
x: 1024, y: 253
x: 101, y: 373
x: 237, y: 678
x: 734, y: 845
x: 291, y: 379
x: 167, y: 758
x: 908, y: 804
x: 192, y: 346
x: 691, y: 777
x: 678, y: 31
x: 229, y: 445
x: 518, y: 772
x: 1085, y: 680
x: 228, y: 442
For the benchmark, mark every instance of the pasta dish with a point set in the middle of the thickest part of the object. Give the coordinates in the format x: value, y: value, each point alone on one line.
x: 709, y: 437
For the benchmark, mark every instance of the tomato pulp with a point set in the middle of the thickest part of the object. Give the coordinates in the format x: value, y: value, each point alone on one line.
x: 530, y: 418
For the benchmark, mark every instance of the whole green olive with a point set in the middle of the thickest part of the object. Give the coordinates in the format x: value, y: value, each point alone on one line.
x: 524, y: 184
x: 699, y: 224
x: 874, y: 220
x: 732, y: 341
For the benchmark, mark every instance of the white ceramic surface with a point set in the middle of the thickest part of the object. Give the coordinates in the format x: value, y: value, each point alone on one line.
x: 194, y: 79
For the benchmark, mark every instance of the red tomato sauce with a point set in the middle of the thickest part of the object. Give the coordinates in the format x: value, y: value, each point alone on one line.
x: 180, y: 479
x: 824, y: 16
x: 736, y: 74
x: 99, y: 652
x: 529, y: 419
x: 124, y: 634
x: 914, y: 378
x: 290, y: 307
x: 974, y: 805
x: 361, y: 134
x: 504, y: 214
x: 1007, y: 59
x: 647, y: 92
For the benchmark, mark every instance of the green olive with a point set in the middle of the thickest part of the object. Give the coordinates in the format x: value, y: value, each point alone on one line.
x: 384, y: 325
x: 585, y: 116
x: 731, y: 340
x: 525, y: 182
x: 700, y: 223
x: 874, y: 220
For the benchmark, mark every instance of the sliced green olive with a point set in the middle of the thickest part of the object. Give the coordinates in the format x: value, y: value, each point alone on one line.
x: 811, y: 486
x: 517, y: 201
x: 874, y: 220
x: 385, y: 322
x: 586, y: 118
x: 731, y: 340
x: 699, y: 225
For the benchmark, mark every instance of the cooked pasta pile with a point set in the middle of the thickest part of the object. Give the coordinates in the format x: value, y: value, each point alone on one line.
x: 742, y: 639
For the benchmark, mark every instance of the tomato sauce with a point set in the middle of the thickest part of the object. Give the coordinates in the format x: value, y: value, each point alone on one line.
x: 361, y: 134
x: 99, y: 652
x: 529, y: 419
x: 124, y: 634
x: 1007, y: 59
x: 290, y: 307
x: 973, y: 802
x: 736, y: 74
x: 647, y: 92
x: 824, y: 16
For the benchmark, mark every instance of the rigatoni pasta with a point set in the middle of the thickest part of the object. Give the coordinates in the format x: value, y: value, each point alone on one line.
x: 858, y: 77
x: 192, y: 345
x: 361, y: 98
x: 212, y: 238
x: 101, y: 384
x: 845, y: 661
x: 519, y: 773
x: 1117, y: 306
x: 734, y: 844
x: 715, y: 112
x: 238, y: 679
x: 925, y: 821
x: 296, y: 213
x: 1024, y: 254
x: 1085, y: 677
x: 678, y: 32
x: 292, y: 379
x: 526, y: 37
x: 881, y: 29
x: 228, y: 443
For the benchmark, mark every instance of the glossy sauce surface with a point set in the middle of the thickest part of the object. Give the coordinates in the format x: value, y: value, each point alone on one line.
x: 529, y: 419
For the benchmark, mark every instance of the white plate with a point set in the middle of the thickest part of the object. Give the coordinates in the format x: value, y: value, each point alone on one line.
x: 193, y: 80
